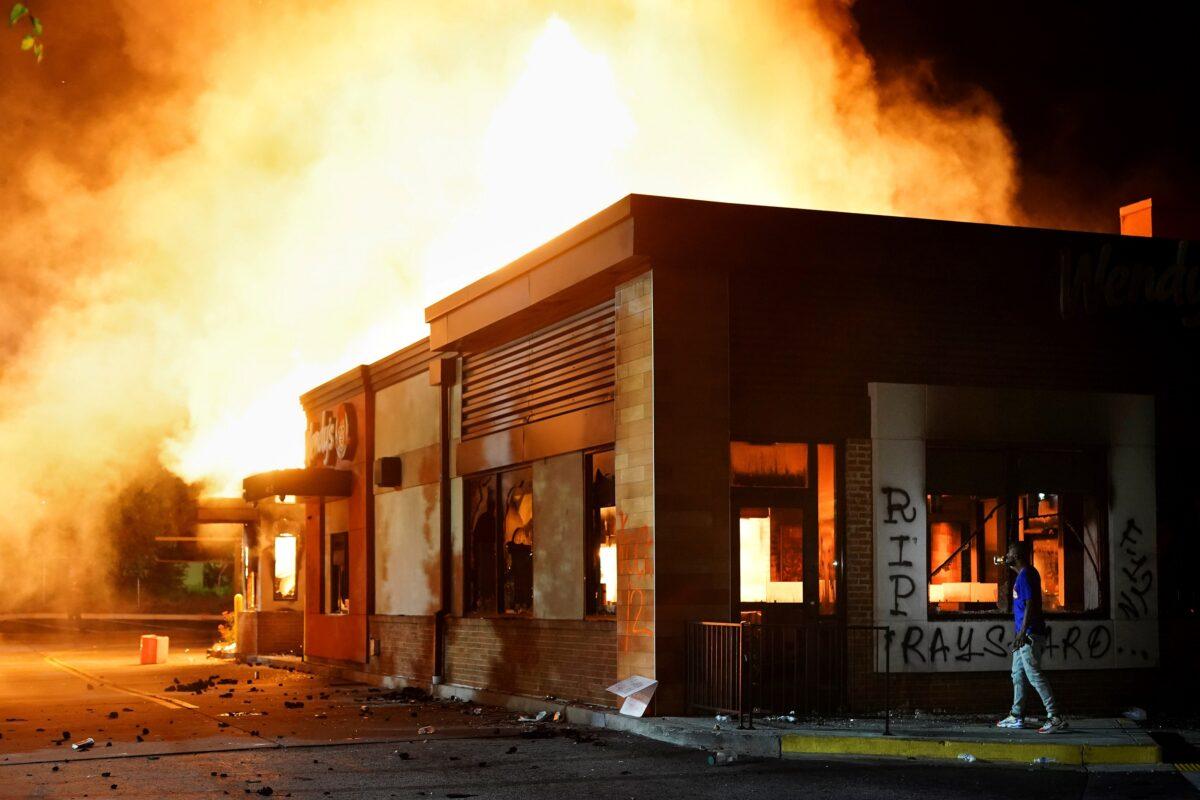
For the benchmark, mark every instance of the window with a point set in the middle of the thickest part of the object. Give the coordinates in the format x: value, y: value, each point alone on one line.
x: 499, y: 555
x: 335, y: 560
x: 772, y: 553
x: 787, y: 525
x: 601, y: 552
x: 979, y: 501
x: 285, y: 566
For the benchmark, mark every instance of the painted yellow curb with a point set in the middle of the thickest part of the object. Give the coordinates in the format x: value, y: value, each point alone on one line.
x: 1015, y: 752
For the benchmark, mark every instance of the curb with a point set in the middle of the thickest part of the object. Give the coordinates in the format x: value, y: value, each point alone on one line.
x: 1078, y: 755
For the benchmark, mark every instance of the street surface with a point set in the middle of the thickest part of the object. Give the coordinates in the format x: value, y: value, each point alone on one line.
x: 290, y: 734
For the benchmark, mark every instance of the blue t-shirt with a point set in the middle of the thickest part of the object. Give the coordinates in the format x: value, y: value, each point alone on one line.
x: 1027, y: 599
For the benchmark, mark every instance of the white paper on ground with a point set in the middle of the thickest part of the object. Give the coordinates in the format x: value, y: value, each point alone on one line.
x: 637, y: 692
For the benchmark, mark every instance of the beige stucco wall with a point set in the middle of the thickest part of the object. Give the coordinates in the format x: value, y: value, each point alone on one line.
x: 407, y: 566
x: 406, y: 416
x: 559, y: 514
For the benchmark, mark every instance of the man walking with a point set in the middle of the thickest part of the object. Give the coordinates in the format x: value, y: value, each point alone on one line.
x: 1028, y: 642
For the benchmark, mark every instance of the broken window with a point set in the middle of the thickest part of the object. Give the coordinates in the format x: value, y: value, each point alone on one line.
x: 285, y: 566
x: 772, y: 553
x: 499, y: 552
x: 601, y: 552
x: 335, y: 561
x: 979, y: 501
x: 786, y: 502
x: 784, y: 465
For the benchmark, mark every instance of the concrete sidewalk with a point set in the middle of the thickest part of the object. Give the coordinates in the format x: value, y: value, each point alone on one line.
x: 1088, y: 742
x: 1095, y: 742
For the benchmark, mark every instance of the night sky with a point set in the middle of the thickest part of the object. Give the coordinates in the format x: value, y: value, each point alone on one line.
x: 1100, y: 97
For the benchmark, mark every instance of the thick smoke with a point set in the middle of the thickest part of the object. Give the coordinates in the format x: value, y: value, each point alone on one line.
x: 211, y: 208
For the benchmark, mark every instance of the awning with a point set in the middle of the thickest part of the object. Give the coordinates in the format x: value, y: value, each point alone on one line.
x: 312, y: 482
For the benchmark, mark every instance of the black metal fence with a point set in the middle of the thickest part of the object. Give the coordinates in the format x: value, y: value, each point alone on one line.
x: 749, y: 668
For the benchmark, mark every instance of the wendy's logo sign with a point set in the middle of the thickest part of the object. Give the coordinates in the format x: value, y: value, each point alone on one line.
x: 332, y: 437
x: 1090, y: 284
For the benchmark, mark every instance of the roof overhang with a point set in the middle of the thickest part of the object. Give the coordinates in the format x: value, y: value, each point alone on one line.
x: 568, y: 274
x: 311, y: 482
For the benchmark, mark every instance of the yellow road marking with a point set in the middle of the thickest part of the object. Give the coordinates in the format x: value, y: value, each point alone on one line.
x: 1188, y: 767
x: 167, y: 702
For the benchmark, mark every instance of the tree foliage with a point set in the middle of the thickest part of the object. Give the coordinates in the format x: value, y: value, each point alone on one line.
x: 158, y: 504
x: 31, y: 41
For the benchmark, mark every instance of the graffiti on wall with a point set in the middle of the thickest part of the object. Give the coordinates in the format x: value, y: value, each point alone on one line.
x: 1129, y: 638
x: 899, y: 510
x: 1136, y: 572
x: 984, y: 645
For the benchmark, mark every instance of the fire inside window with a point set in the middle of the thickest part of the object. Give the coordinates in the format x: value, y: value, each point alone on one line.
x: 601, y: 577
x: 969, y: 533
x: 285, y: 566
x: 786, y: 496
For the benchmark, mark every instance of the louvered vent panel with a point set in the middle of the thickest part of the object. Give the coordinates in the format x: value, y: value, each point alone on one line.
x: 563, y: 368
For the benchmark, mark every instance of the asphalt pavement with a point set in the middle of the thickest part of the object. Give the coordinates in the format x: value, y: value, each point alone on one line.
x: 201, y: 727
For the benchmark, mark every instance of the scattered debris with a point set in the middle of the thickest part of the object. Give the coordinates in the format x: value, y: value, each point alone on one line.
x: 425, y: 731
x: 198, y: 686
x: 293, y: 704
x: 541, y: 715
x: 1042, y: 761
x: 720, y: 758
x: 86, y: 744
x: 967, y: 757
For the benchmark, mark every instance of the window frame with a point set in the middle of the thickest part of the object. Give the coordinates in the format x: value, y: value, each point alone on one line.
x: 1010, y: 495
x: 495, y: 479
x: 296, y: 566
x: 796, y: 497
x: 592, y: 607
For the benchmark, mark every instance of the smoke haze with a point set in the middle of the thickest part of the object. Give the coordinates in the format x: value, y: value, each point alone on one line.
x: 210, y: 209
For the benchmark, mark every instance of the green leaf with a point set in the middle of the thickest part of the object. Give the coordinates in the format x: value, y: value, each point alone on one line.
x: 27, y: 43
x: 37, y: 26
x: 37, y: 51
x: 18, y: 10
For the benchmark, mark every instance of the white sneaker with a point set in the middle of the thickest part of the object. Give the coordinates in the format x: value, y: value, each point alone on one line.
x: 1054, y: 725
x: 1011, y: 722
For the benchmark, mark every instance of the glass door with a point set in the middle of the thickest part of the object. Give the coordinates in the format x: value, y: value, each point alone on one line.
x: 786, y: 550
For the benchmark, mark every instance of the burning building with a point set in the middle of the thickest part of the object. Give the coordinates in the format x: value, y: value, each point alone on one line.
x: 684, y: 427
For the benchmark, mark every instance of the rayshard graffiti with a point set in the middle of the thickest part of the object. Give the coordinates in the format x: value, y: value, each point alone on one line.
x: 983, y: 645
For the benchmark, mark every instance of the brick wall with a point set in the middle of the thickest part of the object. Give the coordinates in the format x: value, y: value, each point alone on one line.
x: 405, y: 646
x: 568, y: 659
x: 270, y: 632
x: 634, y: 453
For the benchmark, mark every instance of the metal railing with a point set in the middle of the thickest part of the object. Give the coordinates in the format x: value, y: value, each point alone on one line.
x: 751, y: 668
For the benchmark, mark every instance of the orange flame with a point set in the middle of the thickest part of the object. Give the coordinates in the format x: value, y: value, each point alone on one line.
x: 324, y: 172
